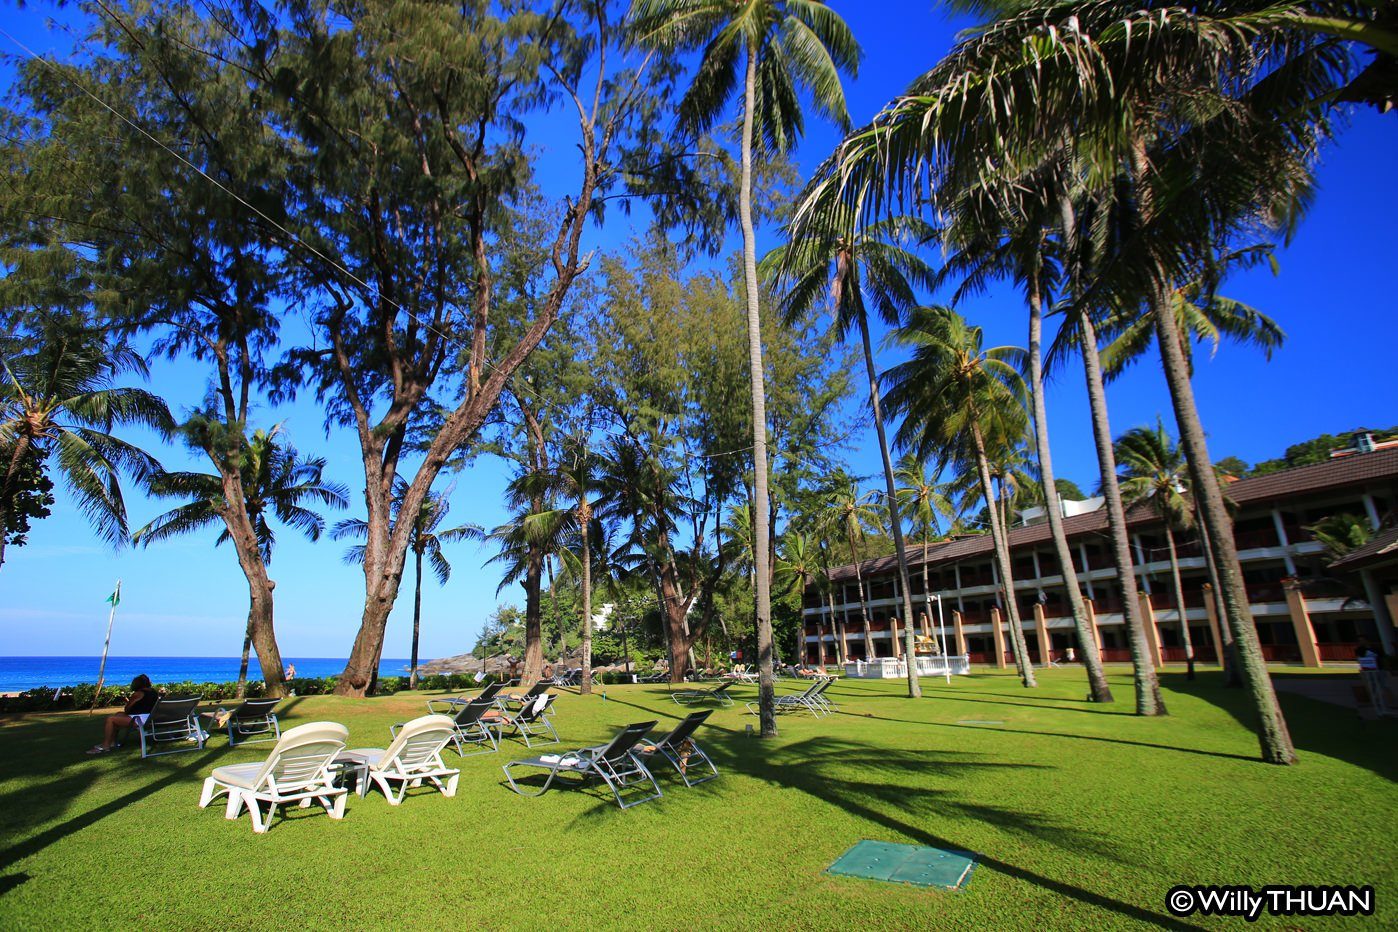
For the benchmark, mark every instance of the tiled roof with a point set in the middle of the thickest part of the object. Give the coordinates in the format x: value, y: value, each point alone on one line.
x: 1384, y: 545
x: 1337, y: 473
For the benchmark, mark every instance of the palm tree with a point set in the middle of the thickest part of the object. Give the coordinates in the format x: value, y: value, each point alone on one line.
x: 961, y: 402
x: 424, y: 543
x: 576, y: 479
x: 1001, y: 228
x: 778, y: 47
x: 872, y: 266
x: 798, y: 563
x: 850, y: 513
x: 1154, y: 471
x: 1217, y: 110
x: 60, y: 399
x: 277, y: 482
x: 928, y: 504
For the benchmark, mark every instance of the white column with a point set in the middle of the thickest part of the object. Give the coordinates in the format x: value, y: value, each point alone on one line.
x: 1141, y: 573
x: 1372, y: 510
x: 1086, y: 570
x: 1286, y: 544
x: 960, y: 602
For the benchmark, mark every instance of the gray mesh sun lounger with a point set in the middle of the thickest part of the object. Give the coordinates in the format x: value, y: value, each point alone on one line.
x: 172, y: 720
x: 797, y: 702
x: 613, y: 763
x: 680, y: 749
x: 717, y: 693
x: 530, y: 721
x: 255, y: 717
x: 468, y: 728
x: 452, y: 705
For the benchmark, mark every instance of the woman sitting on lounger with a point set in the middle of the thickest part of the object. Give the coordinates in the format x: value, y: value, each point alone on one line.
x: 138, y: 706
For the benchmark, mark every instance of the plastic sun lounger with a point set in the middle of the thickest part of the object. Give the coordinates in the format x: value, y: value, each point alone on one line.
x: 613, y: 763
x: 298, y: 770
x: 255, y: 717
x: 680, y: 749
x: 453, y: 705
x: 468, y: 728
x: 717, y: 693
x: 414, y: 757
x: 530, y: 721
x: 171, y: 720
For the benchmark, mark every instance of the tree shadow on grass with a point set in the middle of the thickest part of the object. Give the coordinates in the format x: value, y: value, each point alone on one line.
x: 1058, y: 734
x: 816, y: 766
x: 1316, y: 727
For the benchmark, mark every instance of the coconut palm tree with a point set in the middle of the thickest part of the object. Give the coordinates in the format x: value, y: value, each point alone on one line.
x: 928, y: 504
x: 277, y: 482
x: 773, y: 49
x: 59, y: 402
x: 871, y: 269
x: 960, y: 402
x: 798, y: 563
x: 576, y: 479
x: 424, y: 543
x: 1154, y: 471
x: 1005, y: 229
x: 850, y: 514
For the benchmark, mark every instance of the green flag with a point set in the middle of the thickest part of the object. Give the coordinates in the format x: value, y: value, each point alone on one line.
x: 115, y: 598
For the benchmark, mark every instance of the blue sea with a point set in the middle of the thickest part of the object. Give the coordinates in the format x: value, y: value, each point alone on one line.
x: 20, y: 673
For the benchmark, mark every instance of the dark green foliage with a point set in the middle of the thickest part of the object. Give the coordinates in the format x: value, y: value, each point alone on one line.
x: 1316, y: 450
x: 28, y: 497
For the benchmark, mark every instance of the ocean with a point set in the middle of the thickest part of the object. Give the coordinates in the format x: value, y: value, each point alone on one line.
x: 20, y: 673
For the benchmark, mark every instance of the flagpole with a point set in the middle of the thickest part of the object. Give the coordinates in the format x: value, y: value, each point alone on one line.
x: 102, y: 670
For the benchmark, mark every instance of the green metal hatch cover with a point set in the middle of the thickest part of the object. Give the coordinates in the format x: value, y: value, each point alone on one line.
x: 897, y: 863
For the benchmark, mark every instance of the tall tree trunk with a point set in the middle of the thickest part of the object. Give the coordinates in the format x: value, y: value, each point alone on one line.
x: 766, y: 687
x: 260, y: 587
x: 927, y: 595
x: 1148, y: 698
x: 1272, y: 733
x: 1228, y: 658
x: 1000, y: 538
x: 1098, y: 690
x: 242, y: 689
x: 894, y: 518
x: 1179, y: 600
x: 417, y: 615
x: 863, y: 602
x: 533, y: 618
x: 584, y: 524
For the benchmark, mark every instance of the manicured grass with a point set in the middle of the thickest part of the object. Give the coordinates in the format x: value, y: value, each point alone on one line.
x: 1084, y: 817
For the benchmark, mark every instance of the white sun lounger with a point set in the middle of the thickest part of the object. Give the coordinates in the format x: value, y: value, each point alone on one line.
x: 414, y: 756
x: 298, y: 770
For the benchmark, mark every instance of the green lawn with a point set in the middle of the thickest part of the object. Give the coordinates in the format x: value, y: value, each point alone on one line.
x: 1084, y: 817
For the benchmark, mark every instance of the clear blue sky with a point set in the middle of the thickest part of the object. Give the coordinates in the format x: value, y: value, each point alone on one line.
x: 1334, y: 297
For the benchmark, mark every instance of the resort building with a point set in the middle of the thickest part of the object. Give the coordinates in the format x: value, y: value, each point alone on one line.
x: 1308, y: 609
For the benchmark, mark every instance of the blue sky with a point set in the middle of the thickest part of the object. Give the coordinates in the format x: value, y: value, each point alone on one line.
x: 1334, y: 297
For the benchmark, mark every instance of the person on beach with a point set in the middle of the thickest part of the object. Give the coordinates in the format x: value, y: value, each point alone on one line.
x: 290, y: 671
x: 138, y: 707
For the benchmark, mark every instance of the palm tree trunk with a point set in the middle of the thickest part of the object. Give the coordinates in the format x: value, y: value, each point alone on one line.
x: 533, y: 618
x: 584, y: 522
x: 1098, y: 690
x: 863, y: 601
x: 242, y: 689
x: 417, y: 614
x: 1228, y: 658
x: 1002, y: 557
x: 766, y: 688
x: 1272, y: 734
x: 1179, y: 601
x: 926, y: 595
x: 1148, y: 698
x: 894, y: 518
